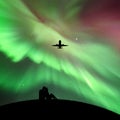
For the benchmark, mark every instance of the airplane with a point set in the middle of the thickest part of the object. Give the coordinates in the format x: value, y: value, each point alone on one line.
x: 59, y: 45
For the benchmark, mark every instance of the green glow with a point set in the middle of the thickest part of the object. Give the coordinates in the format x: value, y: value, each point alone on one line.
x: 86, y: 67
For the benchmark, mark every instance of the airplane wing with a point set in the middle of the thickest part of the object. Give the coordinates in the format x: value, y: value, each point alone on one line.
x: 64, y: 45
x: 55, y: 45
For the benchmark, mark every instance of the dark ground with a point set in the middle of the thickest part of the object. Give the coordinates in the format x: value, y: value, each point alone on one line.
x: 55, y: 108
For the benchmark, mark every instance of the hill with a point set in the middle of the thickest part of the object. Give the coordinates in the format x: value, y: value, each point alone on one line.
x: 51, y: 108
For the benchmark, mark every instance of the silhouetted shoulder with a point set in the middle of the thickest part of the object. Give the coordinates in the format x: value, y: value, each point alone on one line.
x: 44, y: 94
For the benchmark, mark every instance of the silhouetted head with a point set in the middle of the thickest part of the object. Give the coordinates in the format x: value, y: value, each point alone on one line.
x: 45, y: 88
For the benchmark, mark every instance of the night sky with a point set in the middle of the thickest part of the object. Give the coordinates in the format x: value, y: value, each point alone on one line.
x: 88, y: 70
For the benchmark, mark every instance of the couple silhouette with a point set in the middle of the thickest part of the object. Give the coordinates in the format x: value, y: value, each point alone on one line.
x: 44, y: 94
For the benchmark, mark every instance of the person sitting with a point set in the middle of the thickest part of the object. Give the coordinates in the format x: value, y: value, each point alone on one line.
x: 44, y: 94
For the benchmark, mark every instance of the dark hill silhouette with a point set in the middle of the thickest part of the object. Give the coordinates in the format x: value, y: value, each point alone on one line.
x: 56, y: 106
x: 49, y: 106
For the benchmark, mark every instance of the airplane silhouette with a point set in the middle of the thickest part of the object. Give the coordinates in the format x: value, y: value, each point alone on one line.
x: 59, y: 45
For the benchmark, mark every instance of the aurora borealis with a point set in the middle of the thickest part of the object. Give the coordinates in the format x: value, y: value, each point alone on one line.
x: 87, y: 70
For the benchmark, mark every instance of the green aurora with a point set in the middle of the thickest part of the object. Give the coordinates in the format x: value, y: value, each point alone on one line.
x: 89, y: 68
